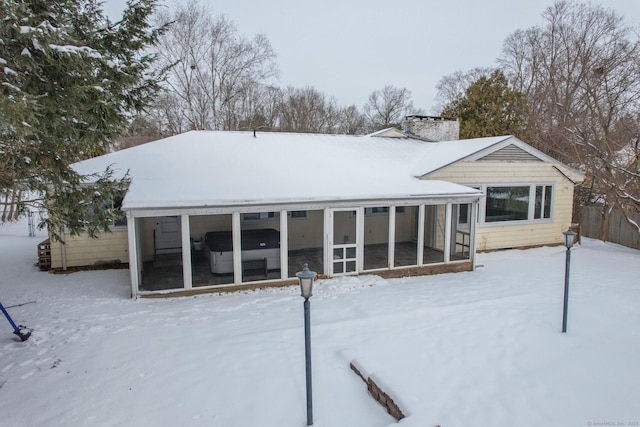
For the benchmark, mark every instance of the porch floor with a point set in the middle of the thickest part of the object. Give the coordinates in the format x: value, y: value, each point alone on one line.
x: 166, y: 271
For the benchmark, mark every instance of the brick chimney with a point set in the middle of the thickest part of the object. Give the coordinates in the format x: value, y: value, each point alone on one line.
x: 432, y: 128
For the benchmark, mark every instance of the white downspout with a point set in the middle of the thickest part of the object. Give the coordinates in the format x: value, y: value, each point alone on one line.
x: 473, y: 229
x: 392, y: 236
x: 360, y: 239
x: 448, y: 221
x: 284, y: 245
x: 420, y: 243
x: 237, y: 248
x: 327, y: 249
x: 134, y: 260
x: 185, y: 233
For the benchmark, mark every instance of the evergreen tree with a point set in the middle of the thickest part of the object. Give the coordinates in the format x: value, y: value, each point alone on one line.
x: 69, y: 81
x: 489, y: 107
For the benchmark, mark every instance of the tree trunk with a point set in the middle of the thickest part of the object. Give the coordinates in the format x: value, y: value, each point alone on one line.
x: 604, y: 224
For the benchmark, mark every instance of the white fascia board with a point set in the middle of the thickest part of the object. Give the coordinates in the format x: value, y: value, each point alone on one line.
x: 437, y: 199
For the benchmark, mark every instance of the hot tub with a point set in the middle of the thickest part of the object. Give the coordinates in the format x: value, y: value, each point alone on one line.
x: 261, y: 244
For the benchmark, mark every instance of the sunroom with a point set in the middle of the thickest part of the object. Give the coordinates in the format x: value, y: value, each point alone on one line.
x: 222, y: 248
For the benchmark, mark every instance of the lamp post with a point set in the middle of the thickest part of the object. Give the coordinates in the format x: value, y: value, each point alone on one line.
x: 568, y: 243
x: 306, y: 286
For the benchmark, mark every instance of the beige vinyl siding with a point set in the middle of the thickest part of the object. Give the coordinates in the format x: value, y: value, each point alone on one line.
x: 496, y: 172
x: 199, y: 225
x: 146, y: 227
x: 306, y: 232
x: 84, y: 251
x: 527, y: 233
x: 435, y: 224
x: 376, y: 228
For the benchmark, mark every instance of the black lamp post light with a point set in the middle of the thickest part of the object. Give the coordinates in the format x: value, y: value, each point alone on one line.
x: 568, y: 243
x: 306, y: 278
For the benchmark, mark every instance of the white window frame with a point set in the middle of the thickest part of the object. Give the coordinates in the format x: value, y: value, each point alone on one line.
x: 482, y: 211
x: 542, y: 205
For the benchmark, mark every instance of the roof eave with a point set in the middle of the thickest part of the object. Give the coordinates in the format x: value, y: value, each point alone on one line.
x: 367, y: 201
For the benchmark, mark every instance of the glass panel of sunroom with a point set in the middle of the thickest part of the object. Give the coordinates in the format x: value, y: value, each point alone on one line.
x: 305, y: 230
x: 406, y: 232
x: 345, y: 241
x: 211, y: 250
x: 376, y: 238
x: 434, y: 234
x: 461, y: 236
x: 260, y: 246
x: 161, y: 253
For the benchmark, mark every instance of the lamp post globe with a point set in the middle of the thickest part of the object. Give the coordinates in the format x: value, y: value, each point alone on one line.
x: 306, y: 278
x: 569, y: 237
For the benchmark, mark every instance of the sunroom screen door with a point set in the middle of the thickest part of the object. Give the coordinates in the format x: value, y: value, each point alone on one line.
x: 345, y: 242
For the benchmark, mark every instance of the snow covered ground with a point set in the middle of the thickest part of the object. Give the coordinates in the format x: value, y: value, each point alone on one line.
x: 468, y: 349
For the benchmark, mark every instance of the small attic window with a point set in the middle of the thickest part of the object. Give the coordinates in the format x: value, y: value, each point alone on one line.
x: 117, y: 203
x: 267, y: 216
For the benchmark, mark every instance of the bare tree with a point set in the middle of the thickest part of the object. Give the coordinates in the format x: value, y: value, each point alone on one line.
x: 351, y: 121
x: 307, y: 110
x: 141, y: 130
x: 387, y: 107
x: 260, y: 108
x: 579, y: 72
x: 211, y: 68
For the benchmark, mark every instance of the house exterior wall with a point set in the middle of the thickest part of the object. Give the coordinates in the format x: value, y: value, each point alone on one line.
x: 199, y: 225
x: 407, y: 224
x: 146, y: 227
x: 306, y: 232
x: 108, y: 248
x: 376, y: 226
x: 435, y: 216
x: 491, y: 236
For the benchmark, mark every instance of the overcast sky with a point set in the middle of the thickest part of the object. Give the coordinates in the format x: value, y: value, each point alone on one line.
x: 347, y: 49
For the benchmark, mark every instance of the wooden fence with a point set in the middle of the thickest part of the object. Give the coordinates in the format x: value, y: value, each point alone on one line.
x: 620, y: 231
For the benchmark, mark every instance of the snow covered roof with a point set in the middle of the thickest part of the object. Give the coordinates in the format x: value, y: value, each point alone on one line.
x: 215, y: 168
x: 390, y: 132
x: 437, y: 155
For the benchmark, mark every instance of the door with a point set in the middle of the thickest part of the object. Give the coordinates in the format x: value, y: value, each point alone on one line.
x: 344, y: 248
x: 168, y: 235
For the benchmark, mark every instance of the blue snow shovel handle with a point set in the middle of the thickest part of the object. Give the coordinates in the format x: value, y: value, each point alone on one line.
x: 15, y: 328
